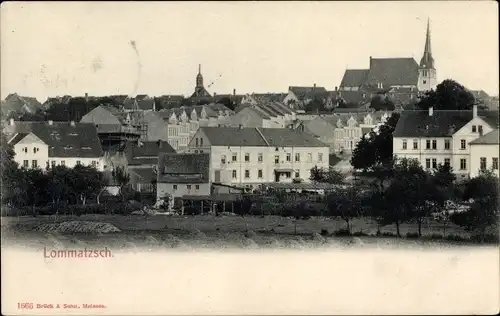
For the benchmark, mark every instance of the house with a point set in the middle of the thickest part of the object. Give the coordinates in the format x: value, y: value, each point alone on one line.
x: 342, y: 131
x: 15, y: 103
x: 298, y: 97
x: 252, y: 156
x: 114, y: 126
x: 183, y: 174
x: 402, y: 78
x: 141, y: 102
x: 436, y: 137
x: 255, y: 98
x: 47, y: 144
x: 182, y: 123
x: 168, y: 101
x: 484, y: 153
x: 234, y: 99
x: 263, y: 114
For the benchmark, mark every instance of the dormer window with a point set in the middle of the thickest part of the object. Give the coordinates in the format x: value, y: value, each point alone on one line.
x: 474, y: 128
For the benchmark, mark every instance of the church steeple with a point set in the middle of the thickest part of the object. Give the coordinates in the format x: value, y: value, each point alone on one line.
x: 427, y: 79
x: 199, y: 78
x: 427, y: 61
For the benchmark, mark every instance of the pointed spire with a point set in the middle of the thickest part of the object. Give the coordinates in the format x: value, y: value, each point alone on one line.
x: 427, y: 61
x: 199, y: 69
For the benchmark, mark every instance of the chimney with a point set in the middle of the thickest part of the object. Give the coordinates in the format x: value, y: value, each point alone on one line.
x: 11, y: 122
x: 371, y: 62
x: 86, y: 97
x: 336, y: 88
x: 474, y: 111
x: 160, y: 143
x: 51, y: 122
x: 72, y: 123
x: 234, y: 91
x: 431, y: 111
x: 314, y: 87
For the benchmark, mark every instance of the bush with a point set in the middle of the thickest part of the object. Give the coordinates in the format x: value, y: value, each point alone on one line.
x: 435, y: 236
x: 411, y: 235
x: 324, y: 232
x: 342, y: 232
x: 359, y: 233
x: 387, y: 234
x: 453, y: 237
x: 487, y: 238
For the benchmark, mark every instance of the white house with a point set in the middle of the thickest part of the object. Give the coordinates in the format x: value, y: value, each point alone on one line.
x: 442, y: 137
x: 252, y: 156
x: 47, y: 144
x: 484, y: 153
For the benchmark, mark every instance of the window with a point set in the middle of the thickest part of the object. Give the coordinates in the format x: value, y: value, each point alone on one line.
x: 34, y: 163
x: 25, y: 149
x: 288, y: 157
x: 259, y: 174
x: 463, y: 164
x: 197, y: 187
x: 188, y: 186
x: 247, y: 174
x: 234, y: 174
x: 78, y: 162
x: 428, y: 144
x: 197, y: 142
x: 482, y: 163
x: 415, y: 144
x: 277, y: 159
x: 94, y: 163
x: 223, y: 159
x: 174, y: 186
x: 462, y: 144
x: 434, y: 163
x: 297, y: 174
x: 404, y: 144
x: 427, y: 163
x: 474, y: 129
x: 297, y: 157
x: 63, y: 163
x: 260, y: 157
x: 26, y: 163
x: 495, y: 163
x: 201, y: 142
x: 446, y: 144
x: 309, y: 157
x: 434, y: 144
x: 35, y: 150
x: 53, y: 163
x: 447, y: 162
x: 234, y: 158
x: 247, y: 157
x: 320, y: 157
x: 480, y: 129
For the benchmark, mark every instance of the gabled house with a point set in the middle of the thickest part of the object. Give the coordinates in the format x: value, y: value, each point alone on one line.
x: 141, y: 102
x: 168, y: 101
x: 15, y: 103
x: 255, y: 98
x: 48, y: 144
x: 484, y: 153
x: 252, y: 156
x: 298, y: 97
x: 443, y: 137
x: 185, y: 174
x: 263, y: 114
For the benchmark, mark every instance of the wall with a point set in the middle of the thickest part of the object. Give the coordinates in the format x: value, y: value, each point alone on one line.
x: 162, y: 188
x: 157, y: 127
x: 30, y: 142
x: 483, y: 150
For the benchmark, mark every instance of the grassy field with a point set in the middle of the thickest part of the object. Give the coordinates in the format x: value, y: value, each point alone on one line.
x: 210, y: 231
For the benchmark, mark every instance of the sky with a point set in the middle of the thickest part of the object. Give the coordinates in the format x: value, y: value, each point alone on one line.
x: 154, y: 48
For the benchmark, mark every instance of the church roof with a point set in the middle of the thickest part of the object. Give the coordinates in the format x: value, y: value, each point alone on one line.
x: 392, y: 72
x: 354, y: 77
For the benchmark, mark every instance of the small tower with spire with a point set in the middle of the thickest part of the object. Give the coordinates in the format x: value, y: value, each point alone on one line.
x: 427, y: 73
x: 199, y: 78
x: 199, y: 90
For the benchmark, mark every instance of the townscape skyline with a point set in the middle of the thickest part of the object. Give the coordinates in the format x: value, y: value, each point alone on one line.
x: 75, y: 54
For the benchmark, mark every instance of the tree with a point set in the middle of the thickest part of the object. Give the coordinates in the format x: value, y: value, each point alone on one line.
x: 485, y: 209
x: 86, y: 182
x: 345, y: 203
x: 334, y: 176
x: 317, y: 174
x: 122, y: 178
x: 315, y: 105
x: 380, y: 102
x: 449, y: 95
x: 376, y: 149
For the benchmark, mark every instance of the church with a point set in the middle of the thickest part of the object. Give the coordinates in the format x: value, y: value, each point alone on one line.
x: 403, y: 79
x: 199, y: 91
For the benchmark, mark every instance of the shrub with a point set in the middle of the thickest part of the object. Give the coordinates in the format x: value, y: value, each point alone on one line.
x: 342, y: 232
x: 387, y: 234
x: 436, y: 236
x: 487, y: 238
x: 359, y: 233
x: 324, y: 232
x: 453, y: 237
x: 411, y: 235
